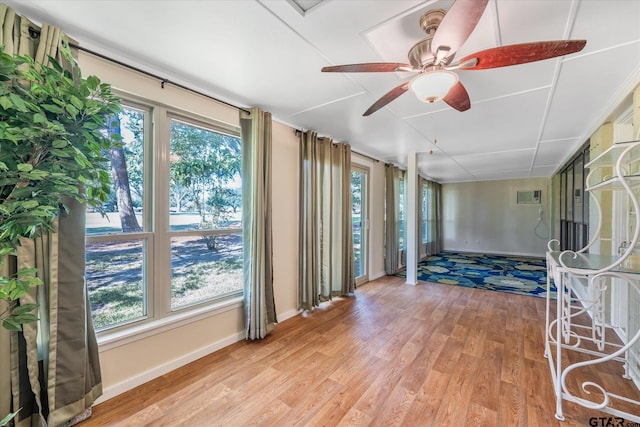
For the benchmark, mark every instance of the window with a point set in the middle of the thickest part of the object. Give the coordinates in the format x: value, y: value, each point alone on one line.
x: 401, y: 211
x: 360, y: 221
x: 205, y: 194
x: 424, y: 198
x: 574, y: 206
x: 118, y: 243
x: 402, y: 202
x: 172, y: 234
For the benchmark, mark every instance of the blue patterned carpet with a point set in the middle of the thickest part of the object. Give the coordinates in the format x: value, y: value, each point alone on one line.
x: 518, y: 275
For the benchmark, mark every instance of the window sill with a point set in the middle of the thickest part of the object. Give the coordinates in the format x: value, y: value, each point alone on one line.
x: 108, y: 340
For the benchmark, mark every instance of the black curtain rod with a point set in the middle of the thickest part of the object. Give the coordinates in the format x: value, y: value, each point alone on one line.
x: 162, y: 80
x: 368, y: 157
x: 298, y: 132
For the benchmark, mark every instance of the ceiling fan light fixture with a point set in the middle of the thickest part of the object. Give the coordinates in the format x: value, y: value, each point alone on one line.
x: 432, y: 86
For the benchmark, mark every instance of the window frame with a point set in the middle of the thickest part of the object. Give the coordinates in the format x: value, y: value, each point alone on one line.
x: 156, y: 234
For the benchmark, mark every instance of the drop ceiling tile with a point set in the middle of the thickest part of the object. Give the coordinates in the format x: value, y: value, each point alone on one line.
x: 586, y: 91
x: 541, y: 23
x: 543, y: 171
x: 498, y: 125
x: 552, y: 152
x: 497, y: 162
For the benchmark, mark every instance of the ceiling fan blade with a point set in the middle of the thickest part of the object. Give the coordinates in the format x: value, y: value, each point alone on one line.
x: 458, y: 98
x: 521, y: 53
x: 458, y: 24
x: 372, y: 67
x: 387, y: 98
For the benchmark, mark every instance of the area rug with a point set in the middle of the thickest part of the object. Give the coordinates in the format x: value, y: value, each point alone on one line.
x: 517, y: 275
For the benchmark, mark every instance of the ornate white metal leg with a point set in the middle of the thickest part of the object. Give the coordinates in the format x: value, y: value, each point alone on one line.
x: 559, y: 328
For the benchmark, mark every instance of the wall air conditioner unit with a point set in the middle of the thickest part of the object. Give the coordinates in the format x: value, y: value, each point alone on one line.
x: 528, y: 197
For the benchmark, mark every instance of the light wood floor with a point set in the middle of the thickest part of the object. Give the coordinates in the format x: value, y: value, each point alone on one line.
x: 426, y: 355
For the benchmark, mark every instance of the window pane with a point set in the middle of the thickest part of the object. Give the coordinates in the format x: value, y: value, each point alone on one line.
x: 205, y: 185
x: 578, y: 189
x: 115, y: 279
x: 115, y: 269
x: 124, y: 205
x: 205, y: 267
x: 424, y: 213
x: 401, y: 213
x: 357, y: 178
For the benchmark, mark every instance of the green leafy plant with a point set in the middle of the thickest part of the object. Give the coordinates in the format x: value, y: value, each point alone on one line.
x: 52, y: 142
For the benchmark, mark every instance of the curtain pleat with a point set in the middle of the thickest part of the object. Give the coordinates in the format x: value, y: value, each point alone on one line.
x: 326, y: 237
x: 260, y: 311
x: 438, y: 217
x: 391, y: 231
x: 434, y: 223
x: 309, y: 224
x: 54, y: 365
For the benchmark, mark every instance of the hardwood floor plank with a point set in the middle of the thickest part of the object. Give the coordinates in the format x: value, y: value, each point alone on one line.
x: 424, y: 355
x: 486, y: 387
x: 480, y: 416
x: 354, y: 418
x: 512, y: 405
x: 458, y: 393
x: 395, y: 407
x: 428, y: 399
x: 513, y: 358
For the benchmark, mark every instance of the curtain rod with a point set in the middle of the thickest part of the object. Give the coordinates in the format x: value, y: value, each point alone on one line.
x: 163, y: 80
x: 298, y: 132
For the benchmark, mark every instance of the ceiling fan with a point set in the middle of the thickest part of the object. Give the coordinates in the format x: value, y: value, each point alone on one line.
x: 432, y: 57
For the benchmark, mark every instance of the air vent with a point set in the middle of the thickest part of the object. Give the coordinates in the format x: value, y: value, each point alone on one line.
x: 528, y: 197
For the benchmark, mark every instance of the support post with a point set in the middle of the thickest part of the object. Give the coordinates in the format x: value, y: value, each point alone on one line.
x: 412, y: 219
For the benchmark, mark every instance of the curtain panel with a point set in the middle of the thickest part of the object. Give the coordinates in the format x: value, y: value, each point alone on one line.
x: 54, y: 368
x: 391, y: 222
x: 326, y: 264
x: 259, y: 304
x: 434, y: 218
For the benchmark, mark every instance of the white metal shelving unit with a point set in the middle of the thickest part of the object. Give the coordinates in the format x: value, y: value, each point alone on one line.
x: 568, y: 331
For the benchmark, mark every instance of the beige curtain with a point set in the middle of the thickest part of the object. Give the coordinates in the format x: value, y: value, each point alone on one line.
x: 260, y: 311
x: 326, y: 264
x: 391, y: 224
x: 434, y: 218
x: 54, y: 368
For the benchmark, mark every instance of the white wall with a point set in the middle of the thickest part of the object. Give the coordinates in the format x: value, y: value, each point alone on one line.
x: 481, y: 217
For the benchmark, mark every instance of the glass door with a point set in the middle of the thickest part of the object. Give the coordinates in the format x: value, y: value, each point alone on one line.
x: 360, y: 221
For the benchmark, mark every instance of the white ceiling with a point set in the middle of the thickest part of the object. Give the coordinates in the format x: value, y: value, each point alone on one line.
x: 524, y: 120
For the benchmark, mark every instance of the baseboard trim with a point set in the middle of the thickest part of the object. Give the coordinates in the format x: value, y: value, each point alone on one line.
x: 124, y: 386
x: 471, y: 251
x: 116, y: 389
x: 288, y: 315
x: 377, y: 276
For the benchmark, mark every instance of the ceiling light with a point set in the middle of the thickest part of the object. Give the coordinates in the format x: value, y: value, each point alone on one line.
x: 431, y: 86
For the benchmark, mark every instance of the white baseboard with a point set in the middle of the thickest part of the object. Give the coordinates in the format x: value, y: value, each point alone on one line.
x: 483, y: 251
x: 288, y: 315
x: 116, y: 389
x: 377, y: 276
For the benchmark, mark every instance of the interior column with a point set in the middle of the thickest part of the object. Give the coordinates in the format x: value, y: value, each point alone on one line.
x: 411, y: 241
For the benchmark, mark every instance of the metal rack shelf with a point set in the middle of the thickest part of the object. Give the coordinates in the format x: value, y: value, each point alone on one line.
x: 565, y: 332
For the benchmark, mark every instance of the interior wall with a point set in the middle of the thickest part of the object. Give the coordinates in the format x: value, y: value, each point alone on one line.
x: 482, y: 217
x: 144, y: 357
